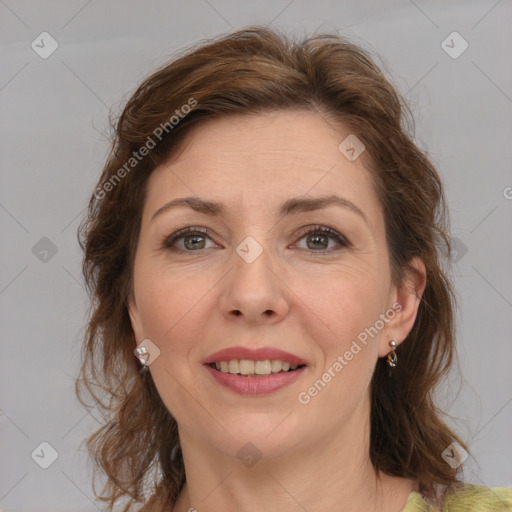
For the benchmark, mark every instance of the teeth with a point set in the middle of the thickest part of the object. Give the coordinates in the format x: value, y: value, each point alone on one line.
x: 262, y: 367
x: 276, y: 366
x: 248, y: 367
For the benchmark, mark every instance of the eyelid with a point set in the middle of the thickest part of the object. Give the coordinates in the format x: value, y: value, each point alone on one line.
x: 169, y: 240
x: 342, y: 240
x: 322, y: 228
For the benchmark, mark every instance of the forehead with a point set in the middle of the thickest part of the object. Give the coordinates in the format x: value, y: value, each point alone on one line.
x: 260, y: 159
x: 280, y: 136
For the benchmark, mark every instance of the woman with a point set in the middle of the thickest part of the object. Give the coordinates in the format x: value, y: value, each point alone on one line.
x: 270, y: 315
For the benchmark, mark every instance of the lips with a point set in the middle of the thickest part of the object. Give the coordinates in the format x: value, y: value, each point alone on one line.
x: 255, y: 385
x: 259, y: 354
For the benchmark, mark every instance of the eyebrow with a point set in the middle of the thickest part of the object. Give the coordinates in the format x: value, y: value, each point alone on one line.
x: 289, y: 207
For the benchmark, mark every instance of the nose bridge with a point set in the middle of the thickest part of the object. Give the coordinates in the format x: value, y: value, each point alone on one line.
x: 254, y: 289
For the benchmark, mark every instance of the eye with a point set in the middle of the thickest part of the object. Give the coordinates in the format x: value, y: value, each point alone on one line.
x: 188, y: 239
x: 318, y: 239
x: 193, y: 239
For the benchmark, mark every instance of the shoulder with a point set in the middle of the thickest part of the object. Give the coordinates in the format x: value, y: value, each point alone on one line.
x: 466, y: 498
x: 479, y: 498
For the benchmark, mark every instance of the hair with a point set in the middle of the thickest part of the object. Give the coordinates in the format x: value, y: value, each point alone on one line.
x: 252, y: 71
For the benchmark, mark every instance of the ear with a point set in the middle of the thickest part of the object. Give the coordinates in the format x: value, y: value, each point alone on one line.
x: 133, y: 311
x: 408, y: 295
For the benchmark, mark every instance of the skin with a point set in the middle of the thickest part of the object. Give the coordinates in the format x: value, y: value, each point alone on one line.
x: 191, y: 304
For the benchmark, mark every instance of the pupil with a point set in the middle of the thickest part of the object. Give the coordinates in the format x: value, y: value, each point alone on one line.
x: 193, y: 239
x: 316, y: 238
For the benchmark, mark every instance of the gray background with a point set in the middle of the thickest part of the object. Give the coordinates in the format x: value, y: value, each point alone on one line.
x: 54, y: 115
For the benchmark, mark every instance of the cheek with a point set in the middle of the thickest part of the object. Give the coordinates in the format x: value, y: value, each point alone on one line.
x: 168, y: 301
x: 347, y: 353
x: 340, y: 311
x: 346, y: 300
x: 173, y: 312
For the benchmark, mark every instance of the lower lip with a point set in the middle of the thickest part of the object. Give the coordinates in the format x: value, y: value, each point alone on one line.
x: 255, y: 385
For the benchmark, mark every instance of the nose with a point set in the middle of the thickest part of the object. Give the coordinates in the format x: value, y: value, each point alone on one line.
x: 255, y: 291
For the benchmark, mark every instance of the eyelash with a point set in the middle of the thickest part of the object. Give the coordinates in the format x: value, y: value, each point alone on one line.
x: 170, y: 240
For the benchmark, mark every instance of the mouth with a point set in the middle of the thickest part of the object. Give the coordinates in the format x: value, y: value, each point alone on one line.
x: 255, y: 371
x: 253, y: 378
x: 250, y: 368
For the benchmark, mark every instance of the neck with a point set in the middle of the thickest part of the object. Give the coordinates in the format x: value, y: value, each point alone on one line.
x: 338, y: 464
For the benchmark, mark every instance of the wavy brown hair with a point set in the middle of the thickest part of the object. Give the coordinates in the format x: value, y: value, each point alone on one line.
x: 256, y: 70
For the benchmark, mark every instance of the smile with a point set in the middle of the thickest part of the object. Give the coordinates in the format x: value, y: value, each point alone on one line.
x: 248, y: 367
x: 252, y: 383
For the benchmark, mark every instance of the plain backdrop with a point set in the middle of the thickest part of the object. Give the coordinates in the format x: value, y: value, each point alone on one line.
x: 54, y: 114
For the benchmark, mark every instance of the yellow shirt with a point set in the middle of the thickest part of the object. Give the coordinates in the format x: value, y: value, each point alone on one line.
x: 470, y: 498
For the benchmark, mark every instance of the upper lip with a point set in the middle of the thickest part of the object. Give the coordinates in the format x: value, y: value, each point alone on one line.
x: 256, y: 354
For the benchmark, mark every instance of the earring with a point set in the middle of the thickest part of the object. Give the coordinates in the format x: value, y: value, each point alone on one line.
x: 392, y: 358
x: 143, y: 356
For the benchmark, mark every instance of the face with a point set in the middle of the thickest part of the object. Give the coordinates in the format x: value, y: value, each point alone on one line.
x: 309, y: 282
